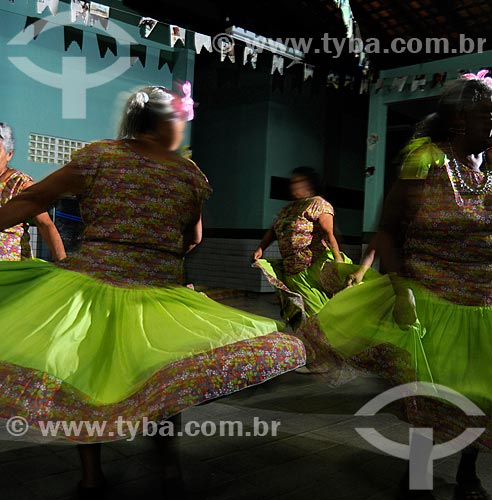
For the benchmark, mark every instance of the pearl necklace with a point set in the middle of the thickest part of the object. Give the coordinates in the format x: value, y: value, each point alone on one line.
x: 464, y: 188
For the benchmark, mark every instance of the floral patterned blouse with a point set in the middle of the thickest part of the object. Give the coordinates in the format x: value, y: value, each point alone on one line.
x: 14, y: 242
x: 135, y: 211
x: 448, y: 241
x: 299, y: 234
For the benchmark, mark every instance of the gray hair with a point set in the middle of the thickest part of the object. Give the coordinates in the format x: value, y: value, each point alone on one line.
x: 146, y: 108
x: 7, y: 137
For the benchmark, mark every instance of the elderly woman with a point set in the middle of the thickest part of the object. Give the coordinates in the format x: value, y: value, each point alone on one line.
x: 110, y: 332
x: 14, y: 241
x: 305, y: 233
x: 430, y: 319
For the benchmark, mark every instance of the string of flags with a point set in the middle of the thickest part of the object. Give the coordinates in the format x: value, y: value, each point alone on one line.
x: 89, y: 13
x: 414, y: 83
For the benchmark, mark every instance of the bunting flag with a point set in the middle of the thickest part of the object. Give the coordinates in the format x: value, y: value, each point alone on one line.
x: 177, y: 33
x: 399, y: 83
x: 147, y: 25
x: 418, y: 83
x: 79, y: 8
x: 51, y: 4
x: 348, y: 18
x: 38, y: 23
x: 99, y: 12
x: 308, y: 71
x: 106, y: 43
x: 227, y: 49
x: 250, y: 56
x: 166, y: 57
x: 438, y: 79
x: 203, y: 41
x: 277, y: 64
x: 333, y: 80
x: 349, y: 82
x: 71, y: 35
x: 138, y: 53
x: 364, y: 86
x: 379, y: 85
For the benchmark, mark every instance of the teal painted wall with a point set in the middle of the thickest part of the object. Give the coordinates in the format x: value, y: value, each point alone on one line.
x: 29, y: 106
x: 374, y: 185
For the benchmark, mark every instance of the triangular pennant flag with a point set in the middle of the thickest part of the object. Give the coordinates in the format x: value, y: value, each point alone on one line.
x: 364, y: 86
x: 227, y: 49
x: 438, y: 79
x: 277, y: 64
x: 71, y: 35
x: 333, y: 80
x: 106, y: 43
x: 38, y: 23
x: 79, y: 8
x: 250, y: 56
x: 51, y: 4
x: 147, y: 25
x: 99, y: 12
x: 418, y: 83
x: 203, y: 41
x: 399, y: 83
x: 166, y: 57
x: 138, y: 53
x: 177, y: 33
x: 308, y: 71
x: 379, y: 85
x: 349, y: 82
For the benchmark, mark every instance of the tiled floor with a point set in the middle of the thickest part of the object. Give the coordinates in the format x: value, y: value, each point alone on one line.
x: 317, y: 454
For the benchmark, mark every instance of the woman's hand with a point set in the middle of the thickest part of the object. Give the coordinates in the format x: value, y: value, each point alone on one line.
x: 404, y: 311
x: 354, y: 278
x: 257, y: 254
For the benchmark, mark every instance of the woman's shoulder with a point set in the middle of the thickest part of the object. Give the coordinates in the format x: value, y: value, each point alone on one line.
x: 419, y: 157
x: 319, y: 204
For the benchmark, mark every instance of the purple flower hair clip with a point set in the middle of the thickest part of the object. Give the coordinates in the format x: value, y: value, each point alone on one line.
x: 188, y: 103
x: 481, y: 75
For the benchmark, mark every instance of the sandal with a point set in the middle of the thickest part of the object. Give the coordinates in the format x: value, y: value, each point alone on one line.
x: 471, y: 490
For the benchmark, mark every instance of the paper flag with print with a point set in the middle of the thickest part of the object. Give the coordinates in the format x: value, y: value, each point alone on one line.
x: 308, y: 71
x: 227, y: 49
x: 177, y: 33
x: 399, y: 83
x: 51, y: 4
x: 277, y: 64
x: 147, y: 25
x: 333, y: 80
x: 418, y: 83
x: 99, y: 10
x: 78, y: 8
x: 250, y: 56
x: 203, y: 42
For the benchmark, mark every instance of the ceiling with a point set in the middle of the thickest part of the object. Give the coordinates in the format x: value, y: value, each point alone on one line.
x: 382, y: 19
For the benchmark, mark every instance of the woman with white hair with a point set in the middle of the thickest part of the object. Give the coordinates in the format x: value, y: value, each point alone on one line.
x: 14, y: 241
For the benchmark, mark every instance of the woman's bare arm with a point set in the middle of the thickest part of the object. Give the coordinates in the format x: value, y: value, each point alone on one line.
x: 326, y: 223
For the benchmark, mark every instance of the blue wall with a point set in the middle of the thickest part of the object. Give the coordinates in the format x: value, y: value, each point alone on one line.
x: 29, y: 106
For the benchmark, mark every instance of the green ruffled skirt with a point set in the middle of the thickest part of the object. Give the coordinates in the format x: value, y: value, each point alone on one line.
x: 75, y: 348
x: 449, y: 345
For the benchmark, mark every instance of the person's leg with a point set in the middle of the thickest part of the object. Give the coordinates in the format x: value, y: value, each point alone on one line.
x: 93, y: 483
x: 168, y: 446
x: 469, y: 486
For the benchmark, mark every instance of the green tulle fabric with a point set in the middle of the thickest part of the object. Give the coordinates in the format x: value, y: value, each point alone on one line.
x: 103, y: 340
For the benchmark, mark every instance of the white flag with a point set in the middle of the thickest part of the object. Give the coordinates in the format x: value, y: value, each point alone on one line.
x: 202, y: 41
x: 308, y: 71
x: 147, y: 24
x: 227, y: 50
x: 78, y: 8
x: 177, y: 33
x: 278, y: 64
x: 250, y: 55
x: 51, y: 4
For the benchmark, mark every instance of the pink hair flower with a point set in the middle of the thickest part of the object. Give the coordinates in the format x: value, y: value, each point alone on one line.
x: 187, y: 101
x: 481, y: 75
